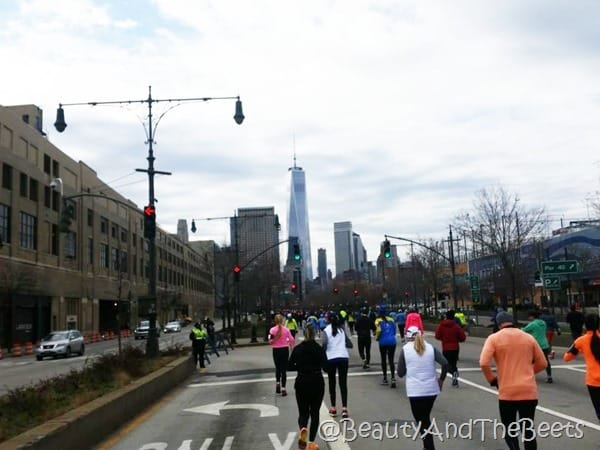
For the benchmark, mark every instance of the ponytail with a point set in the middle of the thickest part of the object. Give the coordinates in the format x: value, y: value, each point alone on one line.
x: 419, y: 344
x: 278, y: 321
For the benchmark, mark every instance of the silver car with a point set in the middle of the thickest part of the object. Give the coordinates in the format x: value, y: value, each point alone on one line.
x: 173, y: 327
x: 61, y: 343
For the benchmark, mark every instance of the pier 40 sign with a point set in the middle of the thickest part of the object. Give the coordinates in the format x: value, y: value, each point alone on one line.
x: 559, y: 267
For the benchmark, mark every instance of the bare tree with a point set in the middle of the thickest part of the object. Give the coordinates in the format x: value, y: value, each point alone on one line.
x: 500, y: 225
x: 433, y: 267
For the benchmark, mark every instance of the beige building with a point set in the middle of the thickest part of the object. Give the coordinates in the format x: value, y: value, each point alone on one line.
x: 97, y: 270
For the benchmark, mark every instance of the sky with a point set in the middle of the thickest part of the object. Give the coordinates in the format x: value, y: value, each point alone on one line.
x: 399, y: 111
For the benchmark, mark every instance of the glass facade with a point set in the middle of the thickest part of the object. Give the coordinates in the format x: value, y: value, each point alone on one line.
x: 298, y: 224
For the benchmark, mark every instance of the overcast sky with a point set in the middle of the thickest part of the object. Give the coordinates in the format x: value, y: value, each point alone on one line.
x: 398, y: 111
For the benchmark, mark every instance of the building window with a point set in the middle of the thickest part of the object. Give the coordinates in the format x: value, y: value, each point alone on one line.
x: 71, y: 245
x: 104, y: 256
x: 4, y: 223
x: 90, y: 252
x: 27, y: 231
x: 55, y: 200
x: 47, y: 196
x: 47, y: 162
x: 55, y: 171
x: 90, y: 217
x: 7, y: 172
x: 113, y: 231
x: 54, y: 239
x: 123, y: 235
x: 123, y: 260
x: 23, y: 185
x: 134, y: 240
x: 33, y: 189
x: 114, y: 259
x: 103, y: 225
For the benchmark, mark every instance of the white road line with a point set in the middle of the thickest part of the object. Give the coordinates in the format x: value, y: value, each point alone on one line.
x: 339, y: 443
x: 539, y: 408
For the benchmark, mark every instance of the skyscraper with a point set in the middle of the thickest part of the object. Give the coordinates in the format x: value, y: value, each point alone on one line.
x: 253, y: 231
x: 298, y: 228
x: 322, y: 266
x: 344, y: 247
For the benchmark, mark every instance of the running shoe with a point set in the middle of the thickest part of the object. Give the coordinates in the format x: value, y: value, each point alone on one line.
x: 283, y: 392
x: 333, y: 411
x: 393, y: 385
x: 278, y: 388
x: 302, y: 438
x: 345, y: 414
x: 549, y: 380
x: 365, y: 365
x: 384, y: 382
x: 313, y: 446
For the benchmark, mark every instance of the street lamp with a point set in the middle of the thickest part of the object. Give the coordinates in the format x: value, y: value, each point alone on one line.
x: 60, y: 125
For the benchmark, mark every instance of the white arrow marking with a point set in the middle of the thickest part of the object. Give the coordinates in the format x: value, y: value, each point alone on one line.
x: 214, y: 409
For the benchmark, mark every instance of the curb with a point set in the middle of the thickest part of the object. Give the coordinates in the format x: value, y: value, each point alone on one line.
x: 89, y: 424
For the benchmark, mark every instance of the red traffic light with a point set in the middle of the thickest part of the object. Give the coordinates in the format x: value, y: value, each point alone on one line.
x: 294, y: 287
x: 336, y: 290
x: 406, y: 294
x: 355, y: 291
x: 149, y: 210
x: 237, y: 269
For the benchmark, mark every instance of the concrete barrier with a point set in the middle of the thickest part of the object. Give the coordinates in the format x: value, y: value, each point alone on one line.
x: 89, y: 424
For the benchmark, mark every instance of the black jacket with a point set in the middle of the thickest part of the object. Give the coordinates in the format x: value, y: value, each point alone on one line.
x: 364, y: 326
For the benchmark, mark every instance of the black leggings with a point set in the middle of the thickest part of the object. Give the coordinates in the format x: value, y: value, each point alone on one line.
x: 548, y: 367
x: 280, y: 358
x: 595, y: 396
x: 508, y: 414
x: 310, y: 390
x: 421, y: 409
x: 387, y: 355
x: 198, y: 347
x: 341, y: 365
x: 452, y: 358
x: 364, y: 348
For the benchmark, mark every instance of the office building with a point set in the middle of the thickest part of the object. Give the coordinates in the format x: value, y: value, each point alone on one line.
x: 344, y: 247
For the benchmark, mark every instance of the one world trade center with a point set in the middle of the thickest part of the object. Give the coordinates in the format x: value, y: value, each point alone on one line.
x: 298, y: 223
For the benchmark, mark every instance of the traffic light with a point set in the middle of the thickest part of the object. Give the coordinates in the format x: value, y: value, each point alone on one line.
x: 294, y: 287
x: 66, y: 217
x: 355, y: 292
x: 297, y: 252
x: 336, y: 290
x: 236, y: 272
x: 149, y: 221
x: 537, y: 277
x: 387, y: 251
x: 406, y: 295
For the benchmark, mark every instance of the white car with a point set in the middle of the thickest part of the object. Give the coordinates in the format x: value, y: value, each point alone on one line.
x: 61, y: 343
x: 172, y: 327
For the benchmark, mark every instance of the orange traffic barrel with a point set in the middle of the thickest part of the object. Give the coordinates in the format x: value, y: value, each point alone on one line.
x: 16, y: 350
x: 28, y: 348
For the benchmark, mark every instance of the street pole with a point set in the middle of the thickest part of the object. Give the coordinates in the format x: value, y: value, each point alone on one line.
x: 60, y: 125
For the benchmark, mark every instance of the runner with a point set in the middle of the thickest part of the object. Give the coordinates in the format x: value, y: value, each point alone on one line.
x: 281, y: 341
x: 385, y: 335
x: 537, y: 328
x: 451, y: 334
x: 335, y: 343
x: 401, y: 321
x: 589, y: 345
x: 364, y: 328
x: 308, y: 360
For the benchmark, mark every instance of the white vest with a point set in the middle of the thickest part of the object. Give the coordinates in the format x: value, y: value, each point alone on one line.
x: 421, y: 377
x: 336, y: 345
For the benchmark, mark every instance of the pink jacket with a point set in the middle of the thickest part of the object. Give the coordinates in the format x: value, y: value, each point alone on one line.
x: 414, y: 319
x: 286, y: 339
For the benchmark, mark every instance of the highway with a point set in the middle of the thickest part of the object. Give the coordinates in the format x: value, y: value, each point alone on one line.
x: 233, y: 405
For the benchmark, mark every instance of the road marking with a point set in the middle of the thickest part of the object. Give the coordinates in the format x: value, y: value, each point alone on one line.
x: 214, y: 409
x: 539, y: 408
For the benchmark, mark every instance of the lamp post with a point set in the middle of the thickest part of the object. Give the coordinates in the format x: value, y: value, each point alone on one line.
x: 60, y: 125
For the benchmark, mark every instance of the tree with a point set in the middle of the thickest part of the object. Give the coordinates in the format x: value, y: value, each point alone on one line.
x: 433, y: 267
x: 500, y: 225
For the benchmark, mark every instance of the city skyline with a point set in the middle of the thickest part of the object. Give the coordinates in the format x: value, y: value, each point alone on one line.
x: 399, y: 111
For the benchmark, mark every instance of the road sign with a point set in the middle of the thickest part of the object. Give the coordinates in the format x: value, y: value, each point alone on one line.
x: 559, y: 267
x: 552, y: 283
x: 474, y: 283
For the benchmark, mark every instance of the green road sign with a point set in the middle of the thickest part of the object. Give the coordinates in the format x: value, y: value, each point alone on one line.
x: 559, y: 267
x: 552, y: 283
x: 474, y: 283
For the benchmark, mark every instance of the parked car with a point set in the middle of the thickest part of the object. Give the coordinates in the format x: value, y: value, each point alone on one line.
x: 172, y: 327
x: 61, y: 343
x: 141, y: 331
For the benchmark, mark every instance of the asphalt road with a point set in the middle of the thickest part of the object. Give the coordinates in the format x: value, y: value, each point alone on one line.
x: 233, y: 405
x: 24, y: 370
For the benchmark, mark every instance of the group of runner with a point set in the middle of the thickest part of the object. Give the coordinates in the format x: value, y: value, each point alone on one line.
x: 417, y: 360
